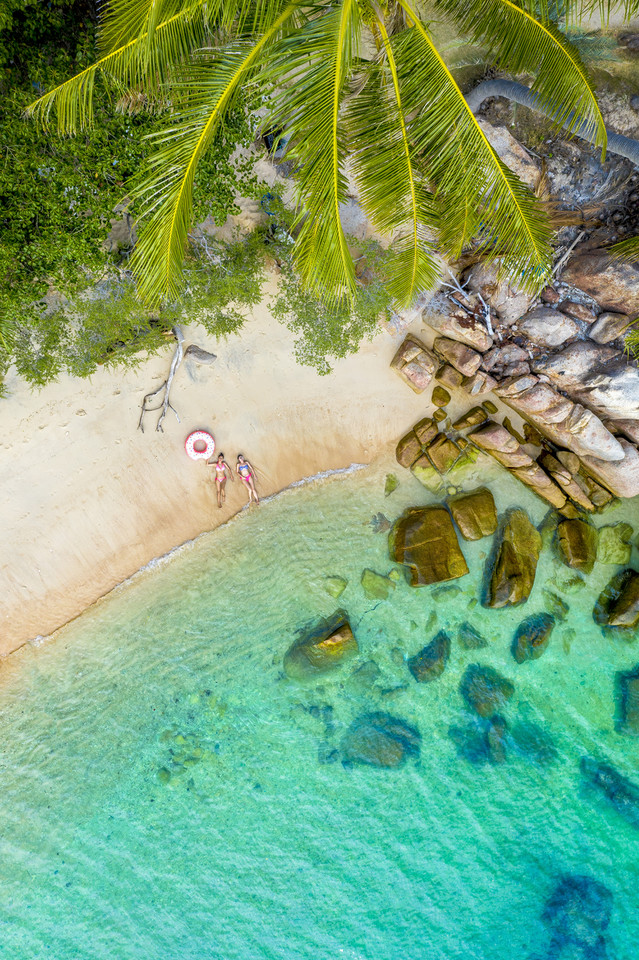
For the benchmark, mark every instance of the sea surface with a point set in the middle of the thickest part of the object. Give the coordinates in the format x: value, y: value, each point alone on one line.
x: 168, y: 793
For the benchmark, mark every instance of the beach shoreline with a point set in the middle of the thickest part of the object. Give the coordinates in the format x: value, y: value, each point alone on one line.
x: 90, y: 499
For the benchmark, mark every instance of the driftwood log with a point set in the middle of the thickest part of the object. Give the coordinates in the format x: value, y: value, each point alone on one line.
x: 198, y: 354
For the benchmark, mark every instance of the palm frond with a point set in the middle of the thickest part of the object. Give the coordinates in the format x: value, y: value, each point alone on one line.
x: 166, y: 190
x: 391, y: 184
x: 134, y: 63
x: 526, y: 43
x: 627, y: 250
x: 510, y: 223
x: 317, y: 63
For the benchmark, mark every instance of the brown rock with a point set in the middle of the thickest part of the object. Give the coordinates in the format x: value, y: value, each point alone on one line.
x: 443, y: 452
x: 571, y: 366
x: 629, y: 428
x: 484, y: 690
x: 322, y: 650
x: 579, y: 311
x: 460, y: 356
x: 577, y: 543
x: 549, y: 295
x: 440, y: 397
x: 480, y: 383
x: 614, y: 284
x: 532, y: 637
x: 563, y: 477
x: 618, y: 604
x: 430, y: 663
x: 514, y: 570
x: 495, y: 440
x: 449, y: 377
x: 425, y: 431
x: 414, y: 362
x: 540, y: 483
x: 472, y: 418
x: 428, y: 476
x: 439, y: 415
x: 474, y: 513
x: 608, y: 327
x: 424, y: 539
x: 546, y: 327
x: 380, y: 740
x: 408, y: 450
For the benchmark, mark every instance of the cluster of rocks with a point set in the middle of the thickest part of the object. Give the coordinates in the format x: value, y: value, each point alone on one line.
x: 577, y: 914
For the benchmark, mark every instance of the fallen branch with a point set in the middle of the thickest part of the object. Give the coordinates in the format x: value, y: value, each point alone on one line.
x: 166, y: 405
x: 563, y: 259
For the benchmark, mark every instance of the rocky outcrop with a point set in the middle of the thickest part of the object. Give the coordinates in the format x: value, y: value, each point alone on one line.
x: 506, y: 360
x: 474, y: 513
x: 430, y: 663
x: 484, y: 690
x: 500, y: 444
x: 322, y: 650
x: 577, y: 544
x: 613, y: 284
x: 460, y: 356
x: 532, y: 637
x: 621, y: 477
x: 513, y: 573
x: 472, y: 418
x: 566, y: 423
x: 380, y: 740
x: 570, y: 367
x: 480, y: 382
x: 451, y: 320
x: 443, y: 452
x: 414, y: 443
x: 424, y: 540
x: 599, y: 496
x: 415, y: 363
x: 618, y: 604
x: 546, y: 327
x: 564, y: 479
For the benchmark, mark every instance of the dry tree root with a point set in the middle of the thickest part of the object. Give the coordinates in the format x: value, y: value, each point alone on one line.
x: 202, y: 356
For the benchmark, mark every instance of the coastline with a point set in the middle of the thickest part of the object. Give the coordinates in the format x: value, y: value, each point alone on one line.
x: 90, y: 500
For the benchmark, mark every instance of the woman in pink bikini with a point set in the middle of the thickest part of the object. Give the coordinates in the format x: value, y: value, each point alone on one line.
x: 246, y: 471
x: 222, y: 471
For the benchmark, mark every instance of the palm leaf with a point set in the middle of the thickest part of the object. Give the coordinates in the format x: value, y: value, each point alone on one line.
x: 525, y: 43
x: 627, y: 250
x: 166, y: 191
x: 443, y: 128
x: 135, y: 62
x: 317, y: 62
x: 391, y: 185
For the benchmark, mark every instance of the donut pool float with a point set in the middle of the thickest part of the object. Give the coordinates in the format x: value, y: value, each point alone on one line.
x: 199, y: 445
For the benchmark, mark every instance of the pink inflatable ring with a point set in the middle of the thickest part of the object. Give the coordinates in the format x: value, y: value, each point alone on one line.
x: 199, y: 437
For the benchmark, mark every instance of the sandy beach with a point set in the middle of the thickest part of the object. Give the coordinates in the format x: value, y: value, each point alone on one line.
x: 89, y: 499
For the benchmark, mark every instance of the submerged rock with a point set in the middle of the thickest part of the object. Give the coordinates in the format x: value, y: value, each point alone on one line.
x: 335, y: 586
x: 614, y: 544
x: 532, y: 637
x: 496, y: 739
x: 556, y: 605
x: 474, y: 513
x: 424, y: 539
x: 376, y: 586
x: 621, y: 793
x: 514, y: 570
x: 469, y: 638
x: 533, y: 743
x: 618, y: 604
x: 484, y: 690
x: 380, y: 523
x: 390, y: 484
x: 577, y: 543
x: 430, y: 663
x: 578, y: 913
x: 321, y: 650
x: 380, y: 740
x: 628, y: 696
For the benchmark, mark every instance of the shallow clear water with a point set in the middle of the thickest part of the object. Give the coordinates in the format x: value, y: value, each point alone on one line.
x: 162, y: 793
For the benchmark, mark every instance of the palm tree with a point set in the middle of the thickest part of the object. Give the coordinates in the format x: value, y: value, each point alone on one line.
x: 344, y: 79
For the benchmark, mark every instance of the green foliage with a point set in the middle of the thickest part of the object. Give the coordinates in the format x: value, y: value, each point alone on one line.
x: 330, y: 333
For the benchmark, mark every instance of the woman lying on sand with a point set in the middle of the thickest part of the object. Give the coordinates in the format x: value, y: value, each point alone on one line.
x: 222, y: 471
x: 246, y: 471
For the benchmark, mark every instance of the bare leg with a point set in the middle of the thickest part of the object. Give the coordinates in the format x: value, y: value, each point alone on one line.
x: 221, y: 495
x: 252, y: 486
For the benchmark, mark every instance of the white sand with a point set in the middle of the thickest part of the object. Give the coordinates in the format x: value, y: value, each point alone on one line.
x: 89, y: 499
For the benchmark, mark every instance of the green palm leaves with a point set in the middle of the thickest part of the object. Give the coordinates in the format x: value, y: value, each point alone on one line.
x: 426, y: 175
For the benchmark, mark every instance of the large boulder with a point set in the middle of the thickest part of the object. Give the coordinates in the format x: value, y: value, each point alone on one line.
x: 484, y: 690
x: 608, y: 327
x: 513, y: 573
x: 408, y: 450
x: 511, y: 152
x: 577, y: 544
x: 415, y: 363
x: 621, y: 477
x: 450, y: 320
x: 474, y: 513
x: 321, y: 650
x: 510, y: 302
x: 614, y: 544
x: 430, y: 663
x: 380, y: 740
x: 570, y: 367
x: 545, y: 327
x: 532, y: 637
x: 424, y: 539
x: 612, y: 283
x: 459, y: 355
x: 618, y: 603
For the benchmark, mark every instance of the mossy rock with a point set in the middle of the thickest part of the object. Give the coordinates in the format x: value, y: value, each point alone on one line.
x: 424, y: 539
x: 335, y: 586
x: 577, y: 544
x: 614, y: 544
x: 513, y: 573
x: 430, y: 663
x: 425, y: 472
x: 440, y: 396
x: 618, y: 603
x: 322, y: 649
x: 391, y: 484
x: 380, y: 740
x: 532, y: 637
x: 376, y: 586
x: 474, y: 513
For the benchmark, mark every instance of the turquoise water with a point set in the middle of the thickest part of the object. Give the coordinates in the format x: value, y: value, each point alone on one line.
x: 162, y: 791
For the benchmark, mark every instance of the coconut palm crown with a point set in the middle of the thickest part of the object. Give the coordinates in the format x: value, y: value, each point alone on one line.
x: 344, y: 80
